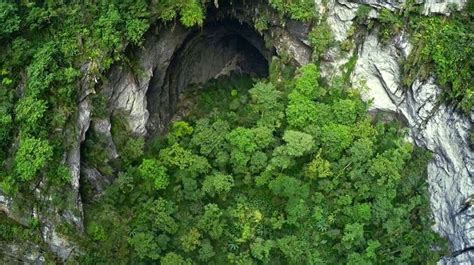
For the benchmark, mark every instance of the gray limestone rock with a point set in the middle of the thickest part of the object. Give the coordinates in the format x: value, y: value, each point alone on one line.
x: 147, y: 96
x: 127, y: 91
x: 178, y: 57
x: 429, y: 7
x: 97, y: 181
x: 434, y: 126
x: 442, y: 6
x: 50, y: 217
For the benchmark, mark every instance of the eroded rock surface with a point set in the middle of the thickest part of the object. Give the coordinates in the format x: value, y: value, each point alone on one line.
x: 428, y: 6
x: 434, y: 126
x: 144, y: 97
x: 178, y: 57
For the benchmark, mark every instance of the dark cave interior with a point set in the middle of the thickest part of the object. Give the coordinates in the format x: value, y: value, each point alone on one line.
x: 220, y: 48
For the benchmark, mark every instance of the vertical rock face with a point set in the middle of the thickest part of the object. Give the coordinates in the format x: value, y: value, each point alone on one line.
x: 428, y: 6
x: 178, y: 57
x: 127, y: 90
x: 291, y: 45
x: 442, y: 7
x: 443, y: 131
x: 146, y: 95
x: 71, y: 213
x: 434, y: 126
x: 217, y: 50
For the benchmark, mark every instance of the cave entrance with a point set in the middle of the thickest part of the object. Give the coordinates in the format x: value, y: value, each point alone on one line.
x: 222, y: 47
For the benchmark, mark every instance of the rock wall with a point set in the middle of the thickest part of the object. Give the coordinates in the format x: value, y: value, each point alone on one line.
x: 173, y: 57
x: 176, y: 57
x: 145, y: 97
x: 428, y: 7
x: 434, y: 126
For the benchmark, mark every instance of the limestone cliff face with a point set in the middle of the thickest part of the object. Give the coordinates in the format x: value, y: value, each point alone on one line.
x: 434, y: 126
x: 168, y: 62
x: 428, y: 6
x: 176, y: 58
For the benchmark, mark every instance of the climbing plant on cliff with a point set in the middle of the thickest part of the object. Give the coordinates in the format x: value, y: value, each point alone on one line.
x: 291, y: 172
x: 450, y: 61
x: 442, y: 47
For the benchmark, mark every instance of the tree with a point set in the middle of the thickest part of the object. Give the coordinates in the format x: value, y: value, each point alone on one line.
x: 266, y: 103
x: 159, y: 213
x: 243, y: 145
x: 179, y: 130
x: 361, y: 150
x: 32, y: 155
x: 391, y: 24
x: 172, y: 258
x: 258, y: 162
x: 263, y: 137
x: 29, y: 112
x: 294, y: 249
x: 206, y: 252
x: 301, y: 112
x: 9, y: 19
x: 300, y: 10
x: 217, y: 183
x: 335, y: 139
x: 144, y: 245
x: 261, y: 248
x: 152, y: 171
x: 177, y: 157
x: 211, y: 222
x: 191, y: 240
x: 242, y: 139
x: 297, y: 211
x: 345, y: 111
x: 96, y: 231
x: 318, y: 168
x: 210, y: 138
x: 353, y: 234
x: 321, y: 38
x: 192, y: 14
x: 245, y: 221
x: 289, y: 187
x: 132, y: 150
x: 297, y: 143
x: 307, y: 82
x: 137, y: 21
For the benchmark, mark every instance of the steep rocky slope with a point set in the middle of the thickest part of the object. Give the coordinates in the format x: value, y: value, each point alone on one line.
x: 433, y: 125
x: 170, y: 62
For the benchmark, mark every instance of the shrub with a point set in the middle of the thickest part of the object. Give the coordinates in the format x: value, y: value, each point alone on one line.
x: 32, y: 155
x: 154, y: 172
x: 391, y: 24
x: 321, y: 38
x: 303, y: 10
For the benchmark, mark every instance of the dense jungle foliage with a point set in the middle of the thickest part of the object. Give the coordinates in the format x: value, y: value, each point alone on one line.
x: 289, y: 170
x: 286, y: 172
